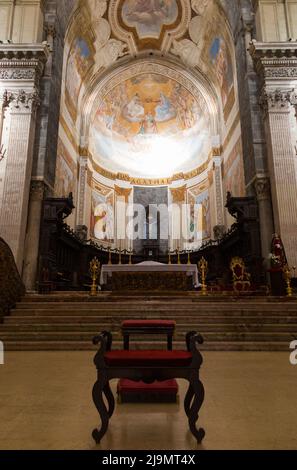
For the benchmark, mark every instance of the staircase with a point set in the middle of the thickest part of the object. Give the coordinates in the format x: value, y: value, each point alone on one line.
x: 68, y: 321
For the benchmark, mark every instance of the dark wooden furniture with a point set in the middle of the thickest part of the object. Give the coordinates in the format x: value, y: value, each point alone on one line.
x: 147, y: 366
x: 148, y: 327
x: 129, y: 391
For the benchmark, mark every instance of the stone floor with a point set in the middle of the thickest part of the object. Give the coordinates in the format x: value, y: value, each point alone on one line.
x: 46, y: 403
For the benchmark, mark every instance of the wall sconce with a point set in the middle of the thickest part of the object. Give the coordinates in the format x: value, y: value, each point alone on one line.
x: 2, y: 152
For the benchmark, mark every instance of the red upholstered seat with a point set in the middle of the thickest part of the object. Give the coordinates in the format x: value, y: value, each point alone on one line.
x: 148, y: 358
x: 148, y: 323
x: 131, y: 386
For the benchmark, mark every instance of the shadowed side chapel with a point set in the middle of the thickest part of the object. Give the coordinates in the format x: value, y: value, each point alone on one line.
x: 148, y: 217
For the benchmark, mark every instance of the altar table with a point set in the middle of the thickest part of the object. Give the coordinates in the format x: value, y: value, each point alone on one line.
x: 150, y: 267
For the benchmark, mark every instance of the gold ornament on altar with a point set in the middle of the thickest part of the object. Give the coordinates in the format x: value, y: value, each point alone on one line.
x: 189, y: 258
x: 203, y: 269
x: 287, y: 277
x: 94, y: 271
x: 178, y: 256
x: 169, y: 257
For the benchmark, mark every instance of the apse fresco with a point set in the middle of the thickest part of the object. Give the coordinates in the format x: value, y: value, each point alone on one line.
x: 150, y: 126
x: 149, y: 16
x: 220, y: 58
x: 234, y: 177
x: 79, y: 61
x: 65, y: 172
x: 102, y: 219
x: 200, y: 219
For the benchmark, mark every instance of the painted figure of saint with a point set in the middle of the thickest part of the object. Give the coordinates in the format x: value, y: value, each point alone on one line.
x: 148, y: 125
x: 165, y: 111
x: 134, y: 111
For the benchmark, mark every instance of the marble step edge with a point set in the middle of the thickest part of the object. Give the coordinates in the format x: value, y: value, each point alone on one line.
x: 141, y: 312
x: 86, y: 346
x: 90, y: 327
x: 217, y: 336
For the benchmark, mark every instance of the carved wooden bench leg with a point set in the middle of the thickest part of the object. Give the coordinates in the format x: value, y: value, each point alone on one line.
x: 110, y: 399
x: 188, y: 399
x: 198, y: 389
x: 97, y: 393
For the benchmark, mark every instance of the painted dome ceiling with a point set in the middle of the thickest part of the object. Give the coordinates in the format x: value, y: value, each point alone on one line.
x: 150, y: 126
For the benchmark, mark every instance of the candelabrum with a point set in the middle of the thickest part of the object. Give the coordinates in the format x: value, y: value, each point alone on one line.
x: 109, y: 256
x: 287, y: 276
x: 120, y: 256
x: 169, y: 257
x: 203, y: 268
x: 189, y: 258
x: 94, y: 271
x: 178, y: 256
x: 130, y: 257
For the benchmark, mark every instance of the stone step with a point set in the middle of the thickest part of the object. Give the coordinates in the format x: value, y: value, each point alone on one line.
x: 87, y: 336
x: 180, y: 327
x: 168, y: 305
x: 117, y: 319
x: 87, y: 346
x: 129, y: 312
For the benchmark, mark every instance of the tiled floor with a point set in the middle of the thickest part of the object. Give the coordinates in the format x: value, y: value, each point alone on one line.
x: 45, y: 403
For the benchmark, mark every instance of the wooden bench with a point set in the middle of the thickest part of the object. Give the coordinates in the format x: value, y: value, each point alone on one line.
x: 148, y: 366
x: 130, y: 391
x: 148, y: 327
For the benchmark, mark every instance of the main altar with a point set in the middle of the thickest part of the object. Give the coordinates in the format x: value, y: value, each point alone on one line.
x: 149, y: 275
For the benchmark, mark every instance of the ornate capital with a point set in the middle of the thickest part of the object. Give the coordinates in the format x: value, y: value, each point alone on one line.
x: 23, y: 100
x: 179, y: 194
x: 262, y: 187
x: 123, y: 192
x: 277, y: 100
x: 37, y: 190
x: 49, y: 30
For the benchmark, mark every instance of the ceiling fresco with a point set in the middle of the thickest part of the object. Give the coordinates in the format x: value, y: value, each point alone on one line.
x: 150, y: 126
x: 149, y: 16
x: 149, y: 123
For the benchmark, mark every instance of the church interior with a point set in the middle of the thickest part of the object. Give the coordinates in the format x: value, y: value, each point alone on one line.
x: 148, y: 224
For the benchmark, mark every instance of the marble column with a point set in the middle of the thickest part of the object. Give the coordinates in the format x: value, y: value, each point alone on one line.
x: 262, y: 189
x: 14, y: 206
x: 122, y: 198
x: 37, y: 193
x: 278, y: 109
x: 219, y: 225
x: 82, y: 184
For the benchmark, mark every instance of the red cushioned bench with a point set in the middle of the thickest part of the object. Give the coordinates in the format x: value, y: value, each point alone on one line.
x: 130, y: 391
x: 148, y: 327
x: 148, y: 366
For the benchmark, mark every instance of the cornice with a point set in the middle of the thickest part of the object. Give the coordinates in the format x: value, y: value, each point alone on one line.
x: 27, y: 52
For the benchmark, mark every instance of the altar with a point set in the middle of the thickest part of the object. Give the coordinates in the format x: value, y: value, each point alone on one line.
x: 149, y: 275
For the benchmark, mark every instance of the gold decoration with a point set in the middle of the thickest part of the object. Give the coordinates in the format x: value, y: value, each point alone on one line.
x: 169, y: 257
x: 130, y: 257
x: 178, y: 194
x: 189, y: 258
x: 203, y: 269
x: 241, y: 278
x: 287, y: 276
x: 94, y: 271
x: 178, y: 255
